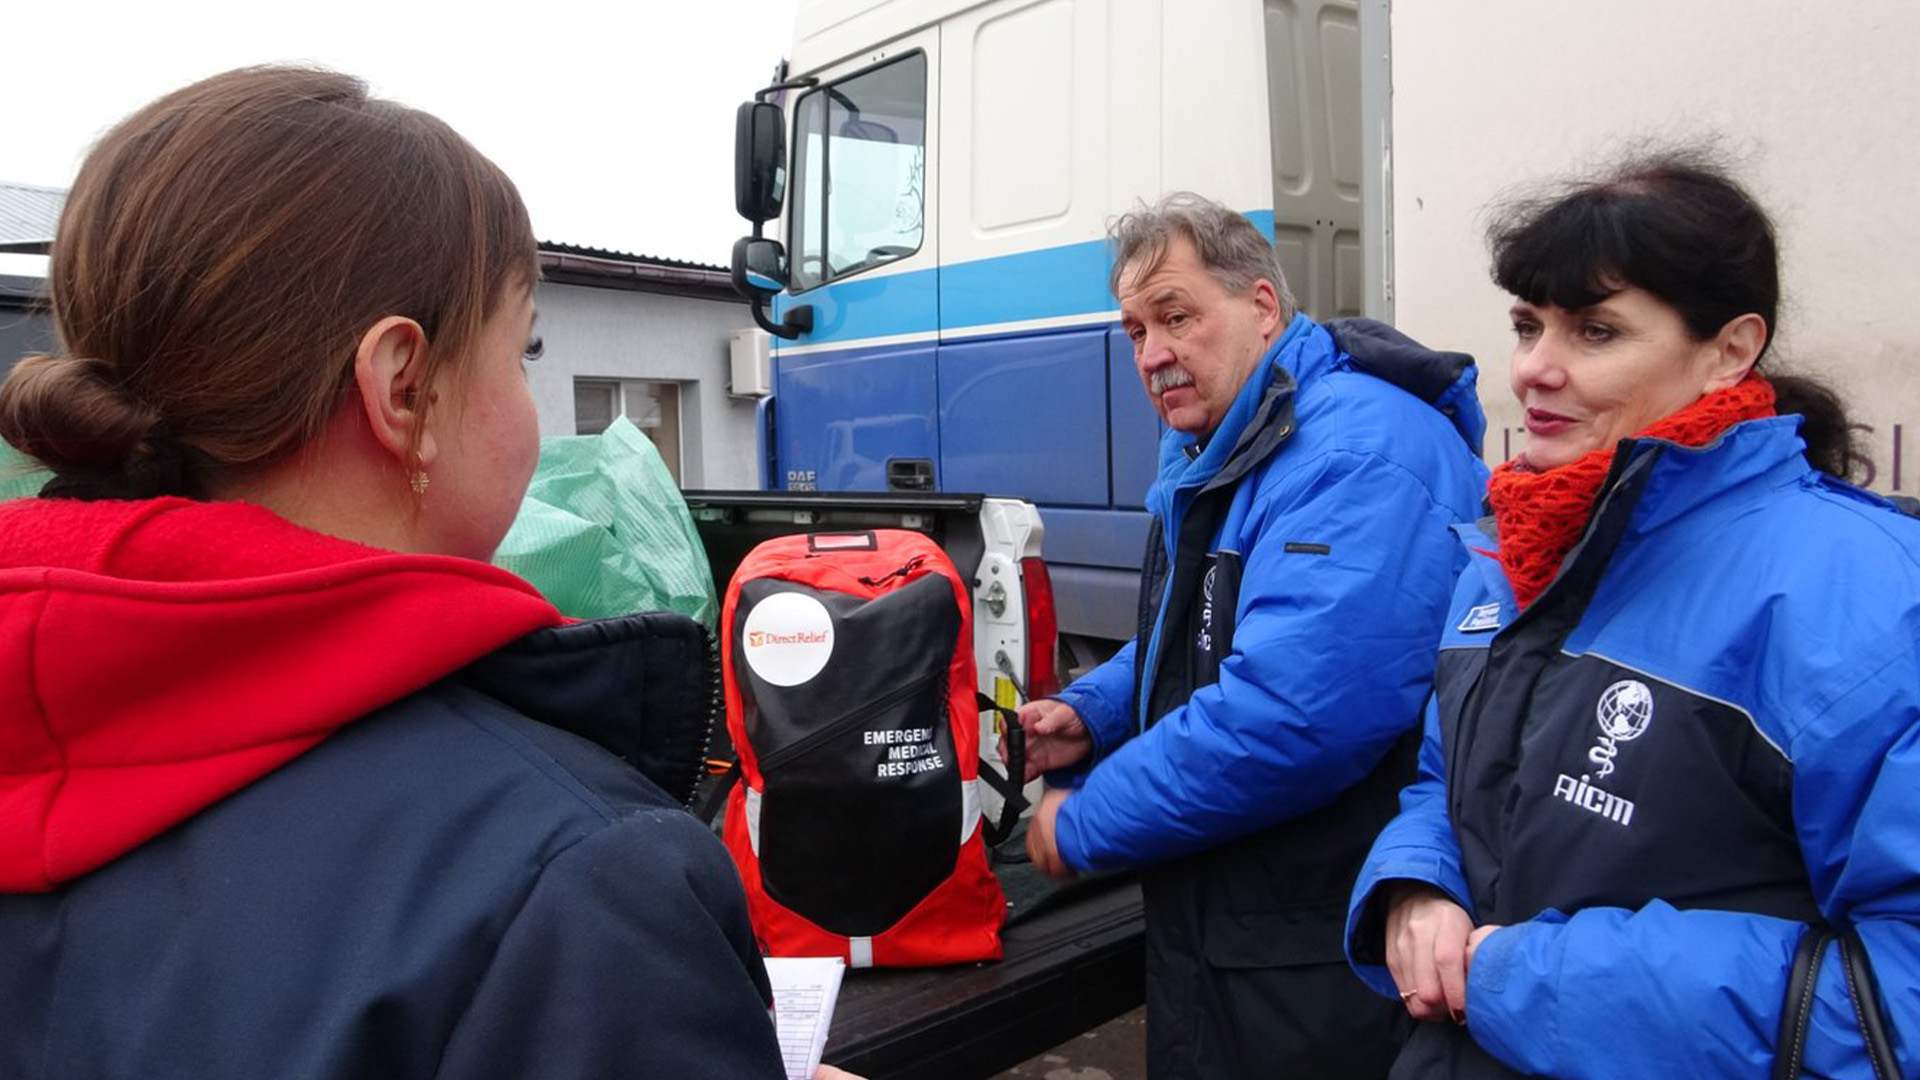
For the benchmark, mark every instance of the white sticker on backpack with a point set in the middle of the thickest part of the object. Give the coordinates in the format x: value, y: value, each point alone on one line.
x: 788, y: 638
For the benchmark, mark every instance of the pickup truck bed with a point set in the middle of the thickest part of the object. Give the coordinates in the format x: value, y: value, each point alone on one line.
x: 1073, y: 960
x: 1073, y: 955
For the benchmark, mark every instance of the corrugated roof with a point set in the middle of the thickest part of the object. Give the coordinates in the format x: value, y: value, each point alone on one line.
x: 28, y: 213
x: 628, y: 257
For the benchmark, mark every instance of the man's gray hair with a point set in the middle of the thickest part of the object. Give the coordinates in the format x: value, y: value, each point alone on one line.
x: 1230, y: 247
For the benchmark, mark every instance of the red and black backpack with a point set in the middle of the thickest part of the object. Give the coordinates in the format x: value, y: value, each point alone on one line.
x: 851, y: 702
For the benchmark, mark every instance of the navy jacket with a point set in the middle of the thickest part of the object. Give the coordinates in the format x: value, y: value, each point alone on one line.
x: 462, y: 882
x: 1700, y: 740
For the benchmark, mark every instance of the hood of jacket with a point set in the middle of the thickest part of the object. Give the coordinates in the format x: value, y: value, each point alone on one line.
x: 160, y: 655
x: 1261, y: 416
x: 1445, y: 380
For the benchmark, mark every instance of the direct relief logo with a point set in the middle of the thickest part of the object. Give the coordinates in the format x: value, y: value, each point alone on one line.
x: 789, y: 638
x: 757, y: 638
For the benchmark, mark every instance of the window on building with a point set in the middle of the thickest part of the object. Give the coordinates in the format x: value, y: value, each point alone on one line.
x: 653, y: 407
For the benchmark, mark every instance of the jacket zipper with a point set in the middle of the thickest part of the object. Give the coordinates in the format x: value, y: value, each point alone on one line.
x: 802, y: 746
x: 1503, y: 645
x: 716, y: 715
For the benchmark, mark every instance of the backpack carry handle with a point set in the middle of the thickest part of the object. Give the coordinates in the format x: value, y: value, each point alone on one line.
x: 1013, y: 799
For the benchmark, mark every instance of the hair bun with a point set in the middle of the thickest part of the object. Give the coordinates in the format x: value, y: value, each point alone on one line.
x: 68, y: 413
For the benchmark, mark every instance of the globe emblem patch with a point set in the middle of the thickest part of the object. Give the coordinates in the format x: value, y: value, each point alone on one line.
x: 1625, y: 710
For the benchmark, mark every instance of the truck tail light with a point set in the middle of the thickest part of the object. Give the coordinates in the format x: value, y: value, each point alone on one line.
x: 1043, y: 629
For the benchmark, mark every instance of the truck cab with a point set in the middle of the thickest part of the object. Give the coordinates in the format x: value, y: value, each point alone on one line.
x: 934, y: 265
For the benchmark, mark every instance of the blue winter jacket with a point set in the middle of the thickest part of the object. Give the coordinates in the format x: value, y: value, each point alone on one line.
x: 1345, y: 485
x: 1703, y: 737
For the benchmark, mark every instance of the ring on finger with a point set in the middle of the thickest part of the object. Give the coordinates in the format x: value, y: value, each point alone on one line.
x: 1409, y: 995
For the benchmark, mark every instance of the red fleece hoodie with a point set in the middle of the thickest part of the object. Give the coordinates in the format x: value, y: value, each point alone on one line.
x: 158, y: 656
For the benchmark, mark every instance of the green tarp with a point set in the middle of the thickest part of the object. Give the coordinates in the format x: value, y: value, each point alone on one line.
x: 20, y: 475
x: 604, y: 531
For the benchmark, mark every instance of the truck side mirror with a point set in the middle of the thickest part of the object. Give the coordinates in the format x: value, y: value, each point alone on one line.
x: 759, y: 161
x: 759, y: 267
x: 759, y: 274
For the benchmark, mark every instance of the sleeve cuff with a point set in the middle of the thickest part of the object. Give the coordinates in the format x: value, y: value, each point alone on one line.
x: 1099, y: 719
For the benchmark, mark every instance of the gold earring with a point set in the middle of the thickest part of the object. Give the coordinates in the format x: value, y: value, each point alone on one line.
x: 417, y: 479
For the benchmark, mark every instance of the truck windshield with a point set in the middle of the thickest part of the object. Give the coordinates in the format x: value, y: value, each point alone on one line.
x: 860, y: 172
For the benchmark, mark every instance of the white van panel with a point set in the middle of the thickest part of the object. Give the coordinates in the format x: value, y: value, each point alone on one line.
x: 1313, y: 102
x: 1214, y: 140
x: 1025, y: 110
x: 1020, y: 160
x: 1817, y: 104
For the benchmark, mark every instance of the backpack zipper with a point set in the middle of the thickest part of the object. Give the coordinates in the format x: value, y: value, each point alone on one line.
x: 812, y: 740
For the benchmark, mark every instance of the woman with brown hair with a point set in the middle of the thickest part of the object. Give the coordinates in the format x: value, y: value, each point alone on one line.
x: 1665, y: 824
x: 292, y: 783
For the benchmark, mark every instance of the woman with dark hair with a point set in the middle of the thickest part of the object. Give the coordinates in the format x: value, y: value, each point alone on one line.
x: 292, y: 783
x: 1666, y: 819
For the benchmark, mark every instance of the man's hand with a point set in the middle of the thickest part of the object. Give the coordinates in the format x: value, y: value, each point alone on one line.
x: 1042, y: 848
x: 1056, y: 736
x: 1428, y: 950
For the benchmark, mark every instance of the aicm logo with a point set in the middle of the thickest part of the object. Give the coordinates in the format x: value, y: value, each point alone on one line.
x: 1624, y: 711
x: 788, y: 638
x: 1205, y: 638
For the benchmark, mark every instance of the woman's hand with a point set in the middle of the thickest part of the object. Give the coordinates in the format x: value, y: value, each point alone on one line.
x: 1429, y: 943
x: 828, y: 1072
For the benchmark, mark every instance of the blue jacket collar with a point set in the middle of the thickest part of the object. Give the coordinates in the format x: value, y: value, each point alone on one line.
x: 1444, y: 380
x: 1752, y: 456
x: 1749, y: 457
x: 1260, y: 414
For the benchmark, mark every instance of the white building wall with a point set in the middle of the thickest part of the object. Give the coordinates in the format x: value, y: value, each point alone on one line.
x: 1819, y: 102
x: 617, y: 334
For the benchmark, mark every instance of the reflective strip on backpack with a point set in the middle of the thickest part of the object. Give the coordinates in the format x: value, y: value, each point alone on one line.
x: 969, y: 809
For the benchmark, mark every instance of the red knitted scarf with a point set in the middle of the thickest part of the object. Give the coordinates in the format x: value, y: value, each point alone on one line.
x: 1541, y: 515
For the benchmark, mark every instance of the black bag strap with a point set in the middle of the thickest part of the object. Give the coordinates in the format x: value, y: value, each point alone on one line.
x: 1013, y: 800
x: 1865, y: 992
x: 1798, y: 1011
x: 1789, y: 1055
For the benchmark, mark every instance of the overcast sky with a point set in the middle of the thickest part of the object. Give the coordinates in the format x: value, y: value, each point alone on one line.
x: 615, y: 119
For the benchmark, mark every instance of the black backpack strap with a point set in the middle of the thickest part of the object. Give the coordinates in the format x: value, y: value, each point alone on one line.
x: 1865, y: 992
x: 1862, y: 988
x: 1013, y: 800
x: 1798, y: 1010
x: 725, y: 775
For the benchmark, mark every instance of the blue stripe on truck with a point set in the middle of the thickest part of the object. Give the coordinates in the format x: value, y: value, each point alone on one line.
x: 1049, y: 283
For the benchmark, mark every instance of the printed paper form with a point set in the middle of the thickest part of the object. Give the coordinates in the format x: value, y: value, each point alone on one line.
x: 804, y: 990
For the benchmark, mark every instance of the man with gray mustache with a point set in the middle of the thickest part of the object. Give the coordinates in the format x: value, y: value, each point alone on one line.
x: 1244, y: 749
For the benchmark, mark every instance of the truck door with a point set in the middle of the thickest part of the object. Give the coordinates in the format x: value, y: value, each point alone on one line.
x: 857, y: 396
x: 1313, y: 114
x: 1023, y: 296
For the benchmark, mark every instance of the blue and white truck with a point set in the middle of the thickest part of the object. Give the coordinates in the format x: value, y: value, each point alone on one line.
x: 930, y: 183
